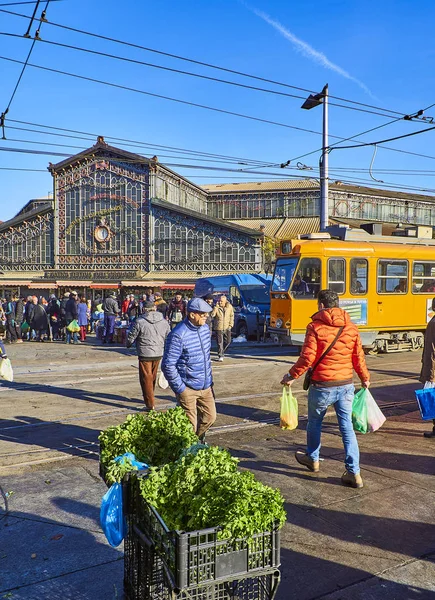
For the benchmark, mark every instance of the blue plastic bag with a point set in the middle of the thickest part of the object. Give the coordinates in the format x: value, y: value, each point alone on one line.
x: 111, y: 515
x: 131, y: 457
x: 426, y: 403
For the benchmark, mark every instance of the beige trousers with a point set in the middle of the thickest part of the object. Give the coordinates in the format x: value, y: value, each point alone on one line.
x: 200, y: 408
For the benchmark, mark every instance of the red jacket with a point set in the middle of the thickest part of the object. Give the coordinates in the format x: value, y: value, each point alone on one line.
x: 346, y: 355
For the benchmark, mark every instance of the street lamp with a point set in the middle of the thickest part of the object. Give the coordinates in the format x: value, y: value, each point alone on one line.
x: 312, y: 101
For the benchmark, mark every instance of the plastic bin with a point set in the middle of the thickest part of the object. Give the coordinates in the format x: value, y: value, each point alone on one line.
x: 146, y: 577
x: 198, y: 557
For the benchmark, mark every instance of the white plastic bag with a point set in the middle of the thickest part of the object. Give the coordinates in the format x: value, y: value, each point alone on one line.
x: 375, y: 417
x: 429, y: 384
x: 163, y: 382
x: 6, y: 371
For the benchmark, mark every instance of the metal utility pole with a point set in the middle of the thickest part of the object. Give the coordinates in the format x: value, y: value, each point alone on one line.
x: 312, y: 101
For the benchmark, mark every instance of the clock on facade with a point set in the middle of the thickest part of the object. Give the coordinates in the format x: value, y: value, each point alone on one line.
x: 102, y: 233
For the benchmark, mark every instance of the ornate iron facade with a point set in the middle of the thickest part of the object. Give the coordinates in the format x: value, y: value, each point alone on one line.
x: 184, y: 243
x: 102, y: 214
x: 306, y: 203
x: 28, y: 246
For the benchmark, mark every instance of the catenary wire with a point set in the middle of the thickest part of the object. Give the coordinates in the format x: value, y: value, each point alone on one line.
x: 177, y: 100
x: 201, y: 63
x: 225, y: 169
x: 198, y: 75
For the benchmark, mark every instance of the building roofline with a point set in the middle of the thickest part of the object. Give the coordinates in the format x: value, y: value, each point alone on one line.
x: 26, y: 216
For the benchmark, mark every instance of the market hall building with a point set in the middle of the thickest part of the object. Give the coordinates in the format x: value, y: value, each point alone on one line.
x: 119, y: 220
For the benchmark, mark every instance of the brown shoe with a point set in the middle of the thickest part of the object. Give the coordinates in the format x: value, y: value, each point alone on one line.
x: 307, y: 461
x: 352, y: 480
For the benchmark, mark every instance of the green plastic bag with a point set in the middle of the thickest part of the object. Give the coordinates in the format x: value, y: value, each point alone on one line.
x: 289, y: 409
x: 25, y: 327
x: 359, y: 412
x: 73, y: 327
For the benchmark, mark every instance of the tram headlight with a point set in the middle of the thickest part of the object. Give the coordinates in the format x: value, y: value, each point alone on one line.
x: 278, y: 323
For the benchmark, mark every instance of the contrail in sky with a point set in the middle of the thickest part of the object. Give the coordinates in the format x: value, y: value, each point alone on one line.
x: 308, y: 50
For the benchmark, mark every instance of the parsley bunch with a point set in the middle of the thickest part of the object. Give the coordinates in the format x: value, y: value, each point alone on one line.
x: 155, y: 438
x: 205, y: 489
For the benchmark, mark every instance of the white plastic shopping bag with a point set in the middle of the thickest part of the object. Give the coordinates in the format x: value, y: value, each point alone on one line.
x: 163, y: 382
x: 6, y: 371
x: 375, y: 417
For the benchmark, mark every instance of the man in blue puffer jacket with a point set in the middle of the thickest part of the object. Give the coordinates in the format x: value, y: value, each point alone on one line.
x: 187, y: 366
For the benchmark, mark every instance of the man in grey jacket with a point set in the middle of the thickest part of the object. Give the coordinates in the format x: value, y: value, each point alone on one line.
x: 149, y: 331
x: 111, y: 310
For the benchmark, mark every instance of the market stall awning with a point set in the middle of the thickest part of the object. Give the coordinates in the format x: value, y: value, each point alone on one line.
x: 103, y: 286
x: 178, y: 286
x: 142, y: 283
x: 73, y: 284
x: 15, y: 282
x: 41, y: 285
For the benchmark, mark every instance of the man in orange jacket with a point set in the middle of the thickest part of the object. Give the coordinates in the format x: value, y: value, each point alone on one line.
x: 331, y: 381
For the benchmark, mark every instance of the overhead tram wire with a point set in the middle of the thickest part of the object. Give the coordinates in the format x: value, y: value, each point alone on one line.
x: 201, y: 63
x: 26, y: 62
x: 172, y: 70
x: 177, y: 100
x: 213, y: 169
x: 134, y: 143
x: 204, y: 64
x: 27, y: 2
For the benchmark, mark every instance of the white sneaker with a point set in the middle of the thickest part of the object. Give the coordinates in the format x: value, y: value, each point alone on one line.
x: 221, y: 359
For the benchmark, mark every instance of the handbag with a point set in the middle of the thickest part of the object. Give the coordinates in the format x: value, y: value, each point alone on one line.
x: 309, y: 373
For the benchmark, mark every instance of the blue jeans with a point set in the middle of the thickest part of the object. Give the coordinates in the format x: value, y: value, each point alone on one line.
x: 319, y: 399
x: 109, y: 328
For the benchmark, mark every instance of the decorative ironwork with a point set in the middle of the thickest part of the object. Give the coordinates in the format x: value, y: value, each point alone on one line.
x: 184, y: 243
x: 103, y: 188
x: 28, y: 246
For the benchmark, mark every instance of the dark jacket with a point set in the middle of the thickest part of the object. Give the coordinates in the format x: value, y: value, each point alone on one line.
x: 149, y: 331
x: 161, y: 306
x: 28, y: 311
x: 71, y: 310
x: 186, y: 361
x: 176, y: 307
x: 19, y: 311
x: 110, y: 306
x: 39, y: 320
x: 9, y: 310
x: 428, y: 357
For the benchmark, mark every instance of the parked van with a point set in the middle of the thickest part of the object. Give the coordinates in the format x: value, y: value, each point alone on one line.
x: 249, y: 295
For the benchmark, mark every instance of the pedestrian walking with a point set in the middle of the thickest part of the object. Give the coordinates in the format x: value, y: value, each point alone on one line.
x: 53, y: 312
x: 19, y: 317
x: 28, y: 310
x: 176, y: 310
x: 124, y: 306
x: 133, y: 309
x: 223, y: 322
x: 427, y: 374
x: 71, y: 314
x: 111, y: 310
x: 9, y: 311
x: 186, y: 365
x: 39, y: 320
x: 161, y: 305
x: 149, y: 331
x: 332, y: 349
x: 83, y: 317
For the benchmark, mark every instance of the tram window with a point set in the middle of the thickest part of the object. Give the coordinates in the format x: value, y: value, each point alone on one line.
x: 358, y: 276
x: 337, y: 275
x: 423, y: 277
x: 392, y: 276
x: 306, y: 283
x: 284, y: 271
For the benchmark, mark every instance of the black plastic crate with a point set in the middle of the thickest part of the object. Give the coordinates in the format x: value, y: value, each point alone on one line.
x: 198, y: 557
x: 146, y: 577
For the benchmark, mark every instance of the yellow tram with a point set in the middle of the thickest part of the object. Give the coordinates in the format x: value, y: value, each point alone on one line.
x: 385, y: 283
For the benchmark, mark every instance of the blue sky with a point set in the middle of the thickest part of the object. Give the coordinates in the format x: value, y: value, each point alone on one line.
x: 385, y: 47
